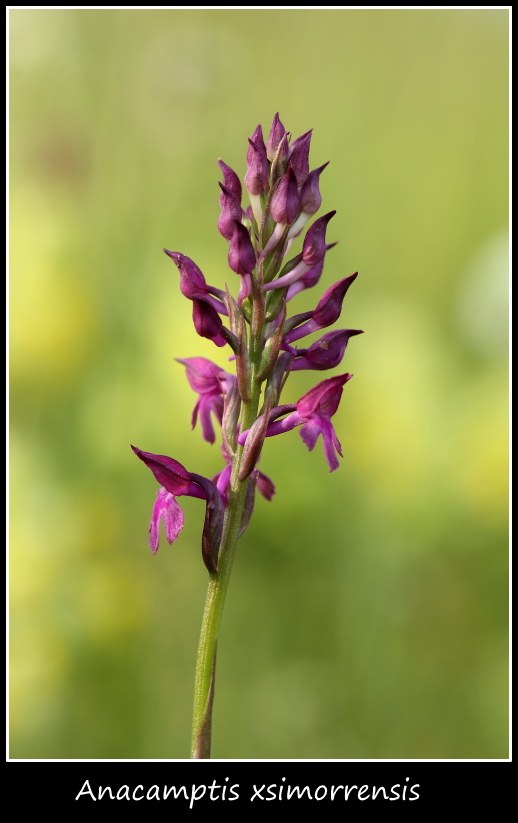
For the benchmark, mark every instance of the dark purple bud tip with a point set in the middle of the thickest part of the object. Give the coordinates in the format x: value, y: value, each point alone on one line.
x: 258, y: 139
x: 277, y: 132
x: 230, y: 180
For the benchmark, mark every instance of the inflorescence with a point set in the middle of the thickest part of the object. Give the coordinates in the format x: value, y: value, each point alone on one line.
x: 284, y: 195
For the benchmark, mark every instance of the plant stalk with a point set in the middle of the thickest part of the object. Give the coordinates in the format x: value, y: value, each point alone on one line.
x: 217, y: 588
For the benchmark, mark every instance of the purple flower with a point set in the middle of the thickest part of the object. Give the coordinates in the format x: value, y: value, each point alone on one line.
x: 193, y: 284
x: 177, y: 481
x: 210, y: 383
x: 313, y: 412
x: 207, y: 300
x: 327, y: 311
x: 325, y: 353
x: 313, y: 252
x: 257, y: 479
x: 168, y: 509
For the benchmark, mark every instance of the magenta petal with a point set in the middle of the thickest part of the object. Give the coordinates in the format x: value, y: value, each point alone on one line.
x: 222, y: 482
x: 203, y: 375
x: 310, y: 432
x: 265, y: 485
x: 167, y: 508
x: 331, y: 443
x: 210, y: 403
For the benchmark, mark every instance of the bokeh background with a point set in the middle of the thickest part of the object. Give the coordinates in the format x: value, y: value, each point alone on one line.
x: 367, y: 615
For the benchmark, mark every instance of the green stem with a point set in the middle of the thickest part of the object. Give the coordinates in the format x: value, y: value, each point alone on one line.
x: 217, y: 589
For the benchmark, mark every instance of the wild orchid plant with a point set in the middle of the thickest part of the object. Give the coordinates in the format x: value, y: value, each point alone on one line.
x: 284, y: 194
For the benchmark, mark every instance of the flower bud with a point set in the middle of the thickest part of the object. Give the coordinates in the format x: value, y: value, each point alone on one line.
x: 329, y: 306
x: 299, y: 157
x: 207, y: 322
x: 241, y: 254
x: 230, y: 212
x: 230, y: 181
x: 279, y: 376
x: 277, y: 132
x: 231, y: 409
x: 280, y: 161
x: 254, y: 443
x: 327, y: 312
x: 325, y: 353
x: 256, y: 177
x: 310, y: 197
x: 257, y: 138
x: 314, y: 247
x: 193, y: 285
x: 285, y: 203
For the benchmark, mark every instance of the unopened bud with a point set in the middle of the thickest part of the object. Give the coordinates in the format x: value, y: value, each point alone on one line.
x: 310, y: 196
x: 241, y: 254
x: 230, y: 181
x: 325, y: 353
x: 285, y: 204
x: 230, y: 212
x: 314, y: 247
x: 277, y: 132
x: 299, y: 157
x: 256, y: 177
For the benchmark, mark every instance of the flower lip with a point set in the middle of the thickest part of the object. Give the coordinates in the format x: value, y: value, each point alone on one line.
x: 165, y: 508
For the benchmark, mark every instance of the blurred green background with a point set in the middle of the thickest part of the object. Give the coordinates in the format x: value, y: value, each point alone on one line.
x: 367, y: 615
